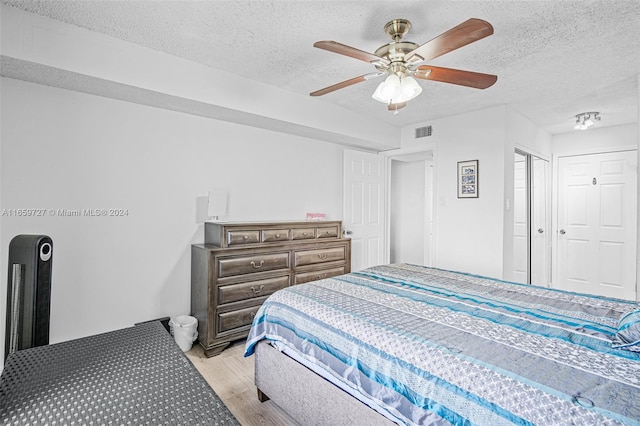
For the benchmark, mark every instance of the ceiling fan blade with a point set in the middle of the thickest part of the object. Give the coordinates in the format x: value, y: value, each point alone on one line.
x: 346, y: 83
x: 469, y: 31
x: 343, y: 49
x: 460, y: 77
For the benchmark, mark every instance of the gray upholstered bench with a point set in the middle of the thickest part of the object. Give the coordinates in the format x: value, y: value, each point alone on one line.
x: 136, y: 375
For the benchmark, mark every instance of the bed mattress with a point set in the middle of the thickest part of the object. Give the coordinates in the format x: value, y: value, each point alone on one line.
x: 430, y: 346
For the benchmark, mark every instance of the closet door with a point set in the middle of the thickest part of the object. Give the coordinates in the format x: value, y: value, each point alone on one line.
x: 531, y: 242
x: 596, y: 241
x: 540, y: 223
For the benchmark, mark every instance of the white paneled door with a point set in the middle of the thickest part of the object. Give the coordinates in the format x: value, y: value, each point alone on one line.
x: 596, y: 238
x: 540, y: 219
x: 364, y: 179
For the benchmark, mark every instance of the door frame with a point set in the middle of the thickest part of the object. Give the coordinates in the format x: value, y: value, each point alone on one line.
x: 554, y: 205
x: 526, y: 162
x: 395, y: 154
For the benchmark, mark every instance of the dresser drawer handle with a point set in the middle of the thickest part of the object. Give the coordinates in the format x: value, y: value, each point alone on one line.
x: 277, y: 235
x: 257, y: 291
x: 322, y: 256
x: 257, y: 266
x: 321, y: 277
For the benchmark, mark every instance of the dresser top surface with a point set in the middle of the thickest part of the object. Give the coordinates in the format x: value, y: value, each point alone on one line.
x: 275, y: 222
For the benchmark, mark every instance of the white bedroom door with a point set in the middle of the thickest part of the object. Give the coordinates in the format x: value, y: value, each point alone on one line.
x: 596, y: 237
x: 363, y: 218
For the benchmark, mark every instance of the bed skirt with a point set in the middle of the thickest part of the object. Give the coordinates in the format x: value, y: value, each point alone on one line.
x: 305, y: 396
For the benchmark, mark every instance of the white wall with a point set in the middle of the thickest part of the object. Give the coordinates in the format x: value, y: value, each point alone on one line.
x: 525, y: 135
x: 469, y: 234
x: 67, y: 150
x: 476, y: 235
x: 596, y: 140
x: 70, y: 149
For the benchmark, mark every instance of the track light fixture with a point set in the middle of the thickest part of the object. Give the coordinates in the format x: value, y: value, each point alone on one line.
x: 584, y: 120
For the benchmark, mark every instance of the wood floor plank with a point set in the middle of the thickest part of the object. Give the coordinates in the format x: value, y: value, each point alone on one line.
x: 230, y: 375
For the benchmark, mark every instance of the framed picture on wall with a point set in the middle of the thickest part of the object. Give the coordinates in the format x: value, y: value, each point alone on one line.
x: 468, y: 179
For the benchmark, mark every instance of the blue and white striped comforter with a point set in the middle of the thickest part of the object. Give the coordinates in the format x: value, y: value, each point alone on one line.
x: 429, y: 346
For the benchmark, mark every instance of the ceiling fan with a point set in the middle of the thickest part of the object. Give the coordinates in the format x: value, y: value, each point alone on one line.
x: 401, y: 60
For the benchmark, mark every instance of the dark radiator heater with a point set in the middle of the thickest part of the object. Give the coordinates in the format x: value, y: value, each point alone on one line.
x: 28, y: 293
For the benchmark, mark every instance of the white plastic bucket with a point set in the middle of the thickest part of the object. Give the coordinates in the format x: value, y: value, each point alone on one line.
x: 185, y: 330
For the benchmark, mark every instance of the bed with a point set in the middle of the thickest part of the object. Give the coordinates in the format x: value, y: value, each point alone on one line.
x: 408, y: 344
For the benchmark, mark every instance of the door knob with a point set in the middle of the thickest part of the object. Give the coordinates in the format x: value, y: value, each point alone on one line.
x: 562, y: 232
x: 540, y: 230
x: 347, y: 232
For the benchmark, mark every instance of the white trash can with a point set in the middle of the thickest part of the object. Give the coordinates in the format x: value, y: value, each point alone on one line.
x: 184, y: 330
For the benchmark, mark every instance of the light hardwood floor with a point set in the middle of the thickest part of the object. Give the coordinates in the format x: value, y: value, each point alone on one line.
x: 230, y: 375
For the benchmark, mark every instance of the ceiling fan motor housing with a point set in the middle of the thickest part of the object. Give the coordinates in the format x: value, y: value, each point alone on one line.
x: 397, y: 28
x: 395, y: 51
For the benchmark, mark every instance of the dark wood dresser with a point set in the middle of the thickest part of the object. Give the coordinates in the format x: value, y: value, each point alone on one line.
x: 240, y: 264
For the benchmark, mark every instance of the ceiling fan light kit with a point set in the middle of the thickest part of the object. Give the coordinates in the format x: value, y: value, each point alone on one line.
x: 395, y: 90
x: 401, y: 61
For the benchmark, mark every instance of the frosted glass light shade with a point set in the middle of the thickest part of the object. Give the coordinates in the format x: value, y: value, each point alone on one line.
x: 394, y: 90
x: 387, y: 90
x: 409, y: 89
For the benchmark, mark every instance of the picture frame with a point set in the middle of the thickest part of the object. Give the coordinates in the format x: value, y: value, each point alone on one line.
x: 468, y: 184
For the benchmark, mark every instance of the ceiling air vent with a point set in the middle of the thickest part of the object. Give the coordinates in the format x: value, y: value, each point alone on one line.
x: 423, y: 132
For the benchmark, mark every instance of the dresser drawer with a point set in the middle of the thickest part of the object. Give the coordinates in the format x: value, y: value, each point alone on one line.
x: 303, y: 233
x: 243, y: 237
x: 327, y: 232
x: 269, y: 235
x: 242, y: 291
x: 235, y: 319
x: 229, y: 266
x: 311, y: 257
x: 306, y: 277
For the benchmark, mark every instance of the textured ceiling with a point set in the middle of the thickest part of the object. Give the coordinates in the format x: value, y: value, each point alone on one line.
x: 553, y: 59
